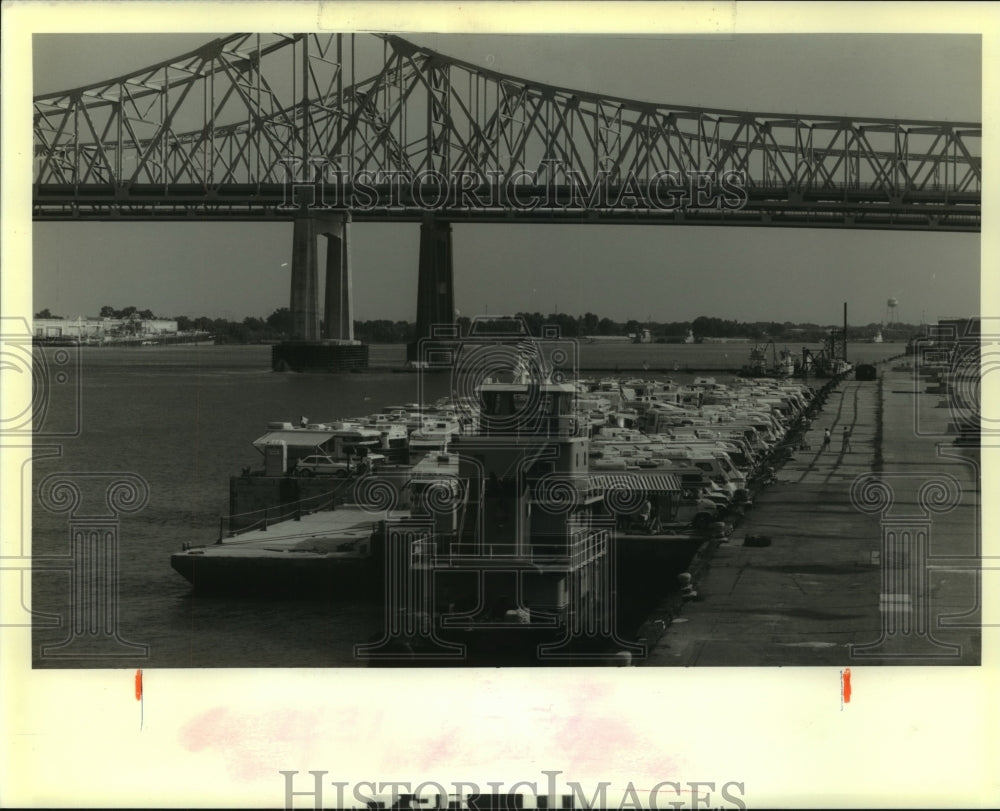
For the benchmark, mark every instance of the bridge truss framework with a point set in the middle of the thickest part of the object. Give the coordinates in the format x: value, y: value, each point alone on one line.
x: 253, y: 127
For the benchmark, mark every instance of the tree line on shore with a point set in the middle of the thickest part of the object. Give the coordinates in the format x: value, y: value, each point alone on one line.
x: 278, y: 326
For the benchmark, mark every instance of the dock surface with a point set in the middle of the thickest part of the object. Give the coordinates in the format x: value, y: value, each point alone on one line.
x: 849, y: 579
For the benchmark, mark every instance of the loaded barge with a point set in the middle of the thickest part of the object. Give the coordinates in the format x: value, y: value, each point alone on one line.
x: 540, y: 515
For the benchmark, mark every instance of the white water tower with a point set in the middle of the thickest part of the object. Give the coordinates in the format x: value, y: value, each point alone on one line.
x: 890, y: 310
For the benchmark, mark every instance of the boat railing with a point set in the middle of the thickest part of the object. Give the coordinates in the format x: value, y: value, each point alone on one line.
x: 572, y: 550
x: 240, y: 523
x: 556, y: 426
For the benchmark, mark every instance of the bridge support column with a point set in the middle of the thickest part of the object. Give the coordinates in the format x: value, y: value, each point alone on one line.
x: 304, y: 303
x: 339, y: 311
x: 337, y: 351
x: 435, y: 281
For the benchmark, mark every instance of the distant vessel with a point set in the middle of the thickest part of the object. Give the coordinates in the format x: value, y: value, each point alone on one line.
x: 757, y: 366
x: 878, y: 337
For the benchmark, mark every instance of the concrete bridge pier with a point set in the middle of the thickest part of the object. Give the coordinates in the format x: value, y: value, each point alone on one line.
x: 435, y: 281
x: 306, y: 350
x: 305, y: 281
x: 338, y: 314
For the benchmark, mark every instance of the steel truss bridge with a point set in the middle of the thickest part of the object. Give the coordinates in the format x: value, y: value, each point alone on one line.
x: 331, y: 127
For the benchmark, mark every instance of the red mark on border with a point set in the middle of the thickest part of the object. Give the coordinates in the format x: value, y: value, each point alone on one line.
x: 138, y: 697
x: 845, y: 686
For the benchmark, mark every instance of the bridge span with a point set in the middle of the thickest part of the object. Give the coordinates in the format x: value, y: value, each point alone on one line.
x: 326, y: 129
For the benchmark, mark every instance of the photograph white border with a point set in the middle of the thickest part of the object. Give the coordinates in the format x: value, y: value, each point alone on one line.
x: 219, y: 738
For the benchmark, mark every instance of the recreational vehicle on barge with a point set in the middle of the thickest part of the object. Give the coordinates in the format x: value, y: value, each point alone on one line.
x: 520, y: 532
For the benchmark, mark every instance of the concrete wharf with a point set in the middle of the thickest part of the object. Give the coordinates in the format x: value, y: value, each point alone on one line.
x: 850, y: 578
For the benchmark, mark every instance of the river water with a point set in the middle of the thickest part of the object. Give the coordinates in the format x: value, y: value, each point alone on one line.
x: 181, y: 419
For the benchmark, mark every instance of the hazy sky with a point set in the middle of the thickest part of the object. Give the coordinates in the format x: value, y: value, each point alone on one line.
x: 657, y: 272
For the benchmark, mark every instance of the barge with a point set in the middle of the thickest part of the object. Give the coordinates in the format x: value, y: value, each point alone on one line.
x: 553, y: 512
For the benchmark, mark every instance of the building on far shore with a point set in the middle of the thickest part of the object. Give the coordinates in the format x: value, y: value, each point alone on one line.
x: 100, y: 329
